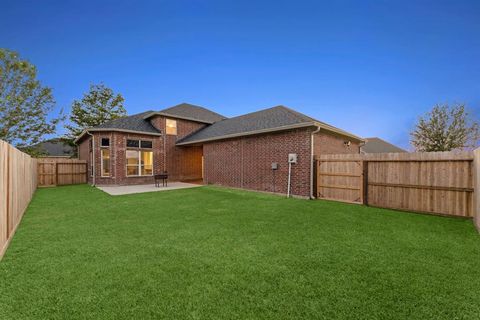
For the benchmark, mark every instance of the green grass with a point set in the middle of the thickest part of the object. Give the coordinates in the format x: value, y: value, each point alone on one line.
x: 213, y: 253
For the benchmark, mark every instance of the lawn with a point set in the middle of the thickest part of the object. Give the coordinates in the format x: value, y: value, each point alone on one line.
x: 213, y: 253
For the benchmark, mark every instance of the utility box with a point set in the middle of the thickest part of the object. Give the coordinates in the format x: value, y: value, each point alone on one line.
x: 274, y: 166
x: 292, y: 158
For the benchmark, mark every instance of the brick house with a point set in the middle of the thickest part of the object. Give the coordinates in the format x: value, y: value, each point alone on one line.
x: 193, y: 143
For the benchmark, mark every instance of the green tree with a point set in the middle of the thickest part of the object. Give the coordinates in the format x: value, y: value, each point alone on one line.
x: 97, y: 106
x: 446, y: 128
x: 24, y: 102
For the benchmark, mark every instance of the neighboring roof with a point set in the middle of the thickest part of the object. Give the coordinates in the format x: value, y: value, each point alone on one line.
x: 135, y: 123
x: 54, y: 148
x: 377, y: 145
x: 189, y: 112
x: 268, y: 120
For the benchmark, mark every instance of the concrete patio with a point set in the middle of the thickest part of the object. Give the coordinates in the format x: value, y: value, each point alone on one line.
x: 121, y: 190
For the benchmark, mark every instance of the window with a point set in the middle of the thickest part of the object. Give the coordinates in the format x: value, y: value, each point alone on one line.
x: 145, y: 144
x: 133, y: 143
x: 132, y: 163
x: 91, y: 163
x: 171, y: 127
x: 105, y: 142
x: 105, y: 155
x: 139, y: 161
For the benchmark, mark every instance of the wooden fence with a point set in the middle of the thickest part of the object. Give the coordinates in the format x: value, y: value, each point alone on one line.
x: 476, y: 181
x: 18, y: 181
x: 436, y: 182
x: 58, y: 171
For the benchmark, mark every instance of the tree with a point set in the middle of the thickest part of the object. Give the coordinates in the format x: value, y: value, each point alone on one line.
x: 97, y: 106
x: 24, y: 102
x: 446, y: 128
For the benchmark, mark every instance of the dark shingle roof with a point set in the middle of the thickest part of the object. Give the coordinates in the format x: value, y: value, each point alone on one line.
x: 191, y: 112
x: 54, y: 148
x: 377, y: 145
x: 136, y: 122
x: 272, y: 119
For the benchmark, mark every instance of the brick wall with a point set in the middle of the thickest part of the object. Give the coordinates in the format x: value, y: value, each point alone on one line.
x: 329, y: 143
x: 182, y: 163
x: 118, y: 157
x: 246, y: 162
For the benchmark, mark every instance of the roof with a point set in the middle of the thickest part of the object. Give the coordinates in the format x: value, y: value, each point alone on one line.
x: 268, y: 120
x: 377, y: 145
x: 189, y: 112
x: 135, y: 124
x: 54, y: 148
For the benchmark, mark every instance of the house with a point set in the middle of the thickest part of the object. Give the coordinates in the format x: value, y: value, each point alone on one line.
x: 54, y: 148
x: 193, y: 143
x: 377, y: 145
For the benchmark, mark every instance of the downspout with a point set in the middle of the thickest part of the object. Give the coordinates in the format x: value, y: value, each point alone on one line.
x: 93, y: 157
x: 312, y: 160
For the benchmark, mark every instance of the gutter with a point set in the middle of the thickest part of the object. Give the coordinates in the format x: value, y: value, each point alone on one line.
x: 93, y: 157
x: 312, y: 160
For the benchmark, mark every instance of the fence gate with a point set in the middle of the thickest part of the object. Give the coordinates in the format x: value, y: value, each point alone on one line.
x: 340, y: 179
x: 433, y: 182
x: 61, y: 172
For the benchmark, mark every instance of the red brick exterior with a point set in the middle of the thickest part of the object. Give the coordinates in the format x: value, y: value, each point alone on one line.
x: 118, y: 166
x: 330, y: 143
x: 246, y: 162
x: 243, y: 162
x: 182, y: 163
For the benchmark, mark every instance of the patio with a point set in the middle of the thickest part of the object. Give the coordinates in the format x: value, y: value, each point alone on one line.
x: 121, y: 190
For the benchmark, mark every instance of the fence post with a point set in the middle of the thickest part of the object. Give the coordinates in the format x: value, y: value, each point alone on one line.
x: 56, y: 174
x: 365, y: 182
x: 476, y: 188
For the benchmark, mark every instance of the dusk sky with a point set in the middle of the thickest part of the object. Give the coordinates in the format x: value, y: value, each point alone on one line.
x: 368, y: 67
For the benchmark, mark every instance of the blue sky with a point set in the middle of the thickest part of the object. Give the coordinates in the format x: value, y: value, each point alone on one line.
x: 369, y: 67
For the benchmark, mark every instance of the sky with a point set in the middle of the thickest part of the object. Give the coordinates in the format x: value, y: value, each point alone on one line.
x: 369, y: 67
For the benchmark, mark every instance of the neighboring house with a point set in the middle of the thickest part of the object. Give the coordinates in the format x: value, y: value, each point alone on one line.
x: 377, y: 145
x: 194, y: 143
x: 54, y: 148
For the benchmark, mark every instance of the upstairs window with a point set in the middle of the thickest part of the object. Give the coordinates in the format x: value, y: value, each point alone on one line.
x: 171, y: 127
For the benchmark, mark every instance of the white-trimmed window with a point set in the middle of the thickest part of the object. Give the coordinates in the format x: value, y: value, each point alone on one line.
x: 105, y: 157
x: 171, y: 127
x: 139, y: 161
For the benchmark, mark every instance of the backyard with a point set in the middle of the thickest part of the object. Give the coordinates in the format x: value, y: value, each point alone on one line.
x: 215, y: 253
